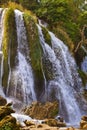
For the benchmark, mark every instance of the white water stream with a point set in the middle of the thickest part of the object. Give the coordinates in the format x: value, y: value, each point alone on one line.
x: 63, y: 83
x: 21, y: 77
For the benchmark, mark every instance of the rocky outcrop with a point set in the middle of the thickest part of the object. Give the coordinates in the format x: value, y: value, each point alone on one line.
x: 42, y: 111
x: 2, y: 101
x: 7, y: 122
x: 83, y: 123
x: 54, y: 123
x: 5, y: 111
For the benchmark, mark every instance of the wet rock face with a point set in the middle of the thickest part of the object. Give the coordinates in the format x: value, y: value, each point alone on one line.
x: 42, y: 111
x: 2, y: 101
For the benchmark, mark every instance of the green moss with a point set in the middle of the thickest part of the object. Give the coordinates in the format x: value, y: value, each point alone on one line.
x: 83, y: 76
x: 9, y: 43
x: 46, y: 36
x: 8, y: 123
x: 61, y: 34
x: 54, y: 113
x: 7, y: 126
x: 35, y: 52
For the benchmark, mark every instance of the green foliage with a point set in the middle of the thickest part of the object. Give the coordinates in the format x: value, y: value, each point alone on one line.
x: 9, y: 43
x: 54, y: 11
x: 72, y: 30
x: 83, y: 76
x: 46, y: 36
x: 82, y: 19
x: 29, y: 4
x: 35, y: 51
x: 64, y: 13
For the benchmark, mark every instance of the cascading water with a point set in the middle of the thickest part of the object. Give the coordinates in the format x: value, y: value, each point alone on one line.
x: 61, y: 78
x: 21, y: 80
x: 1, y: 53
x: 84, y: 65
x: 63, y: 82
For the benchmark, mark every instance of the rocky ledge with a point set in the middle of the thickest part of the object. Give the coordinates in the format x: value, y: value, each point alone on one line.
x: 8, y: 122
x: 42, y: 111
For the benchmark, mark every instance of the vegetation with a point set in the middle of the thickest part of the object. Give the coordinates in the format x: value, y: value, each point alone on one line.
x: 62, y: 35
x: 35, y: 51
x: 9, y: 43
x: 46, y: 36
x: 66, y: 18
x: 15, y: 5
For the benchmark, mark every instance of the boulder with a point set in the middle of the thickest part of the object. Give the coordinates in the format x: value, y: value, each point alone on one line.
x: 83, y: 123
x: 29, y: 123
x: 5, y: 110
x: 8, y: 123
x: 85, y: 127
x: 84, y: 118
x: 42, y: 111
x: 3, y: 101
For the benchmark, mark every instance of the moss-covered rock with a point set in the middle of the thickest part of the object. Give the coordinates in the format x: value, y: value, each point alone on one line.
x: 35, y: 52
x: 42, y: 111
x: 8, y: 123
x: 9, y: 43
x: 46, y: 36
x: 4, y: 111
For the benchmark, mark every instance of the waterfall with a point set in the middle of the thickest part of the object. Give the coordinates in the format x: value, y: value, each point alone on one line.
x: 21, y: 80
x: 59, y: 69
x: 1, y: 53
x: 84, y: 65
x: 65, y: 80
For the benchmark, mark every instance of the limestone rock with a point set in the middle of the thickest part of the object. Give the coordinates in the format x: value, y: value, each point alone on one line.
x: 71, y: 128
x: 8, y: 123
x: 29, y: 123
x: 42, y: 111
x: 83, y: 123
x: 84, y: 118
x: 54, y: 122
x: 3, y: 101
x: 85, y: 126
x: 4, y: 111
